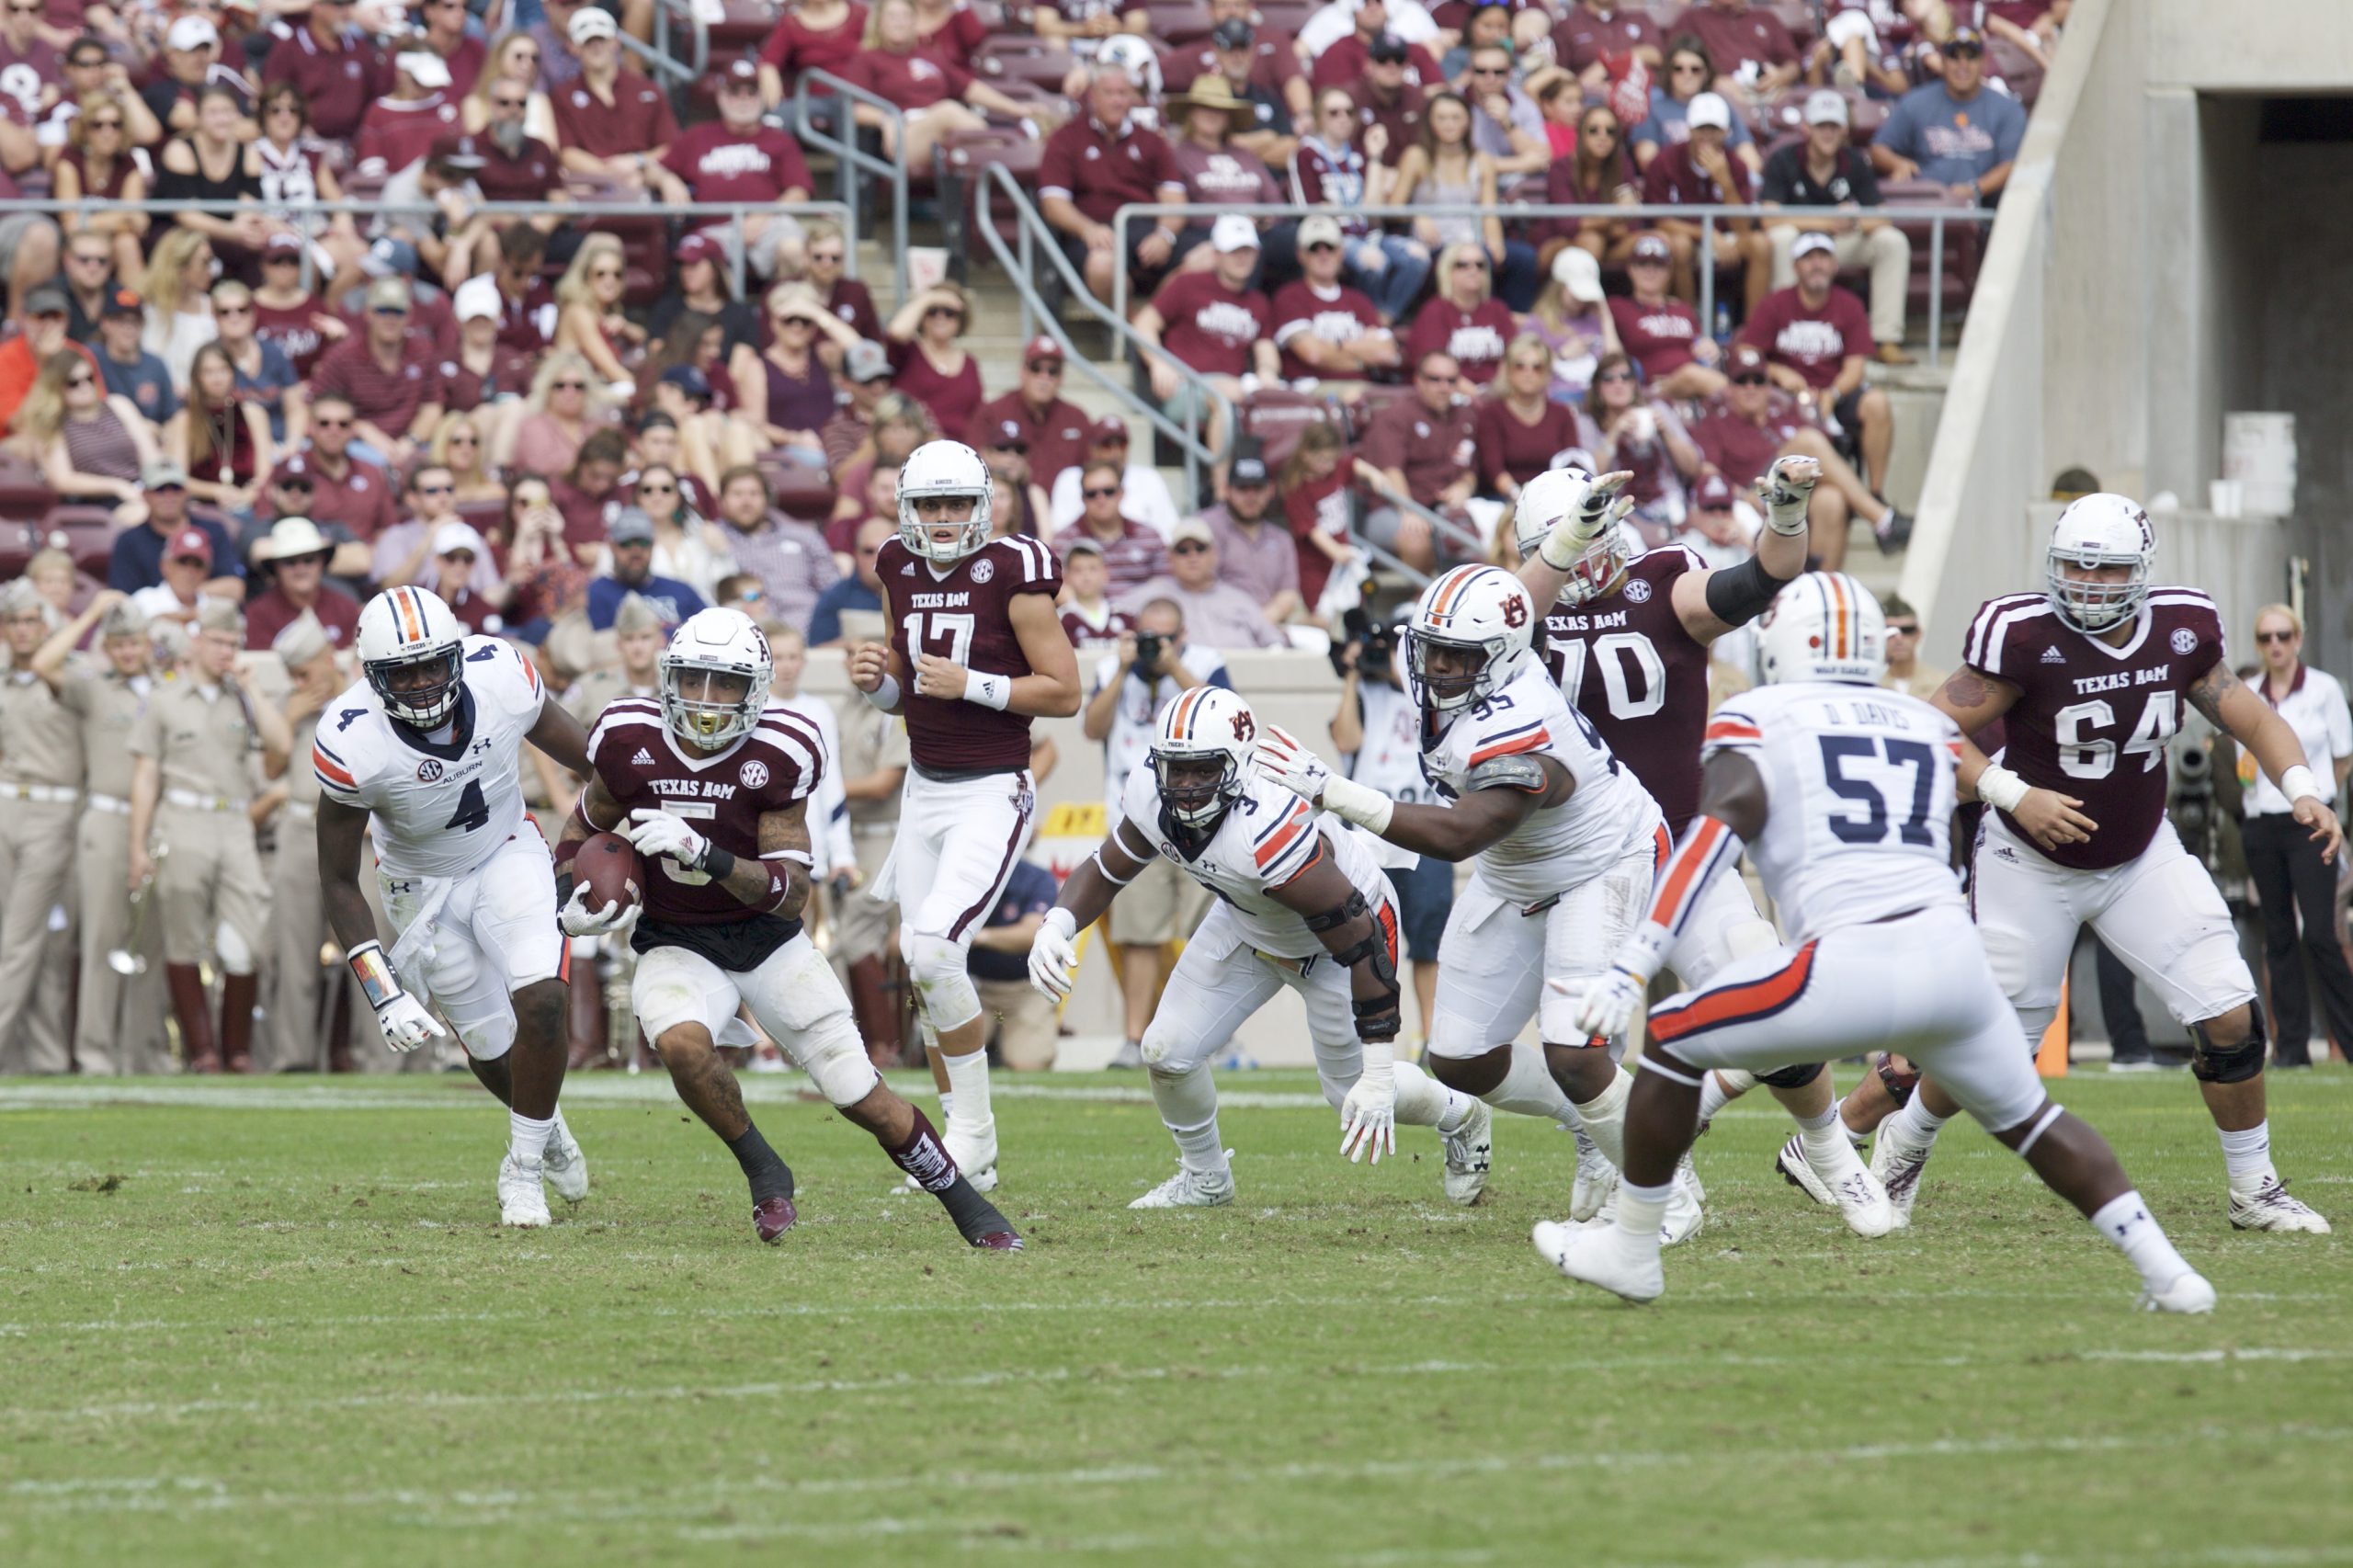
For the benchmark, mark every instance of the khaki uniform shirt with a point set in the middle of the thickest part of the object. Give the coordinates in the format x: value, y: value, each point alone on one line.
x: 201, y: 736
x: 872, y: 740
x: 108, y: 705
x: 40, y: 738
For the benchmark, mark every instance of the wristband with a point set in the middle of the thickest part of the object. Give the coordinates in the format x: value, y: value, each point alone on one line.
x: 2000, y: 789
x: 1645, y: 950
x: 716, y: 863
x: 886, y: 696
x: 1576, y: 554
x: 1379, y: 1060
x: 988, y: 690
x: 1358, y: 804
x: 374, y: 972
x: 1061, y: 922
x: 2298, y: 782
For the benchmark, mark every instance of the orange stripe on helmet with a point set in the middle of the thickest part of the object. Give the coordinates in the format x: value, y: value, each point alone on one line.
x: 1449, y: 589
x: 1181, y: 723
x: 411, y: 619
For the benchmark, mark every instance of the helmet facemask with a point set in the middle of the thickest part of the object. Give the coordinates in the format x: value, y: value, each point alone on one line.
x: 916, y: 531
x: 1595, y: 572
x: 708, y: 704
x: 1451, y: 692
x: 425, y: 705
x: 1196, y: 786
x: 2091, y: 606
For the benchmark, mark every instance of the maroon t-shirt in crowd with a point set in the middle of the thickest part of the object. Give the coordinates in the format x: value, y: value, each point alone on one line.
x: 1580, y: 37
x: 268, y: 614
x: 1673, y: 178
x: 1339, y: 318
x: 396, y: 132
x: 796, y: 47
x: 1401, y: 116
x: 388, y: 399
x: 853, y: 302
x: 1130, y: 561
x: 720, y: 165
x: 338, y: 83
x: 1273, y: 63
x: 1812, y: 341
x: 954, y: 40
x: 1476, y: 338
x: 293, y: 328
x: 964, y: 613
x: 1523, y: 451
x: 911, y: 81
x: 1057, y: 434
x: 1752, y: 32
x: 529, y: 175
x: 1432, y: 450
x: 1317, y: 506
x: 361, y: 500
x: 1742, y: 451
x: 463, y: 389
x: 1100, y: 172
x: 585, y: 515
x: 637, y: 120
x: 1657, y: 338
x: 1638, y: 630
x: 1209, y: 326
x: 1229, y: 174
x: 951, y: 399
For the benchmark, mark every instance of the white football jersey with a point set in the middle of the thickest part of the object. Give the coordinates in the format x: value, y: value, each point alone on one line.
x: 1859, y: 795
x: 1268, y: 837
x: 1557, y: 847
x: 436, y: 810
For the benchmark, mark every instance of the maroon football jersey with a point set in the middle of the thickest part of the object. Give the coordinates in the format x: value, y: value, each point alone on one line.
x: 1627, y: 663
x: 2093, y: 720
x: 723, y: 794
x: 963, y: 613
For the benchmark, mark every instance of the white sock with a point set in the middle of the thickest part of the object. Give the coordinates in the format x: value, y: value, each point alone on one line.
x: 1839, y: 1109
x: 2247, y: 1156
x: 1604, y: 1118
x: 1914, y: 1126
x: 1713, y: 1097
x: 1826, y: 1149
x: 558, y: 1133
x: 1527, y: 1088
x: 1423, y: 1101
x: 526, y: 1139
x: 1188, y: 1102
x: 2127, y: 1222
x: 1642, y: 1211
x: 966, y: 1105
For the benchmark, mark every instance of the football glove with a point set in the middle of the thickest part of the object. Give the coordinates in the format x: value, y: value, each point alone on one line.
x: 1054, y: 955
x: 579, y: 920
x: 1368, y: 1115
x: 653, y: 831
x: 1604, y: 508
x: 1282, y: 760
x: 1788, y: 487
x: 406, y: 1024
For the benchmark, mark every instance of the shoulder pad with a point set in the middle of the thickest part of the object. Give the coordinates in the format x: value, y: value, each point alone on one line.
x: 1519, y: 771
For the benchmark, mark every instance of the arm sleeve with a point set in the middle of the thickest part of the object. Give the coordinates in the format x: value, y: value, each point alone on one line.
x: 1738, y: 595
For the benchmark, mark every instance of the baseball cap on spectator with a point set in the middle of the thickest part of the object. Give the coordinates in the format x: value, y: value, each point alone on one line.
x: 1232, y: 33
x: 1233, y: 233
x: 1965, y: 38
x: 1714, y: 493
x: 1386, y: 49
x: 220, y: 615
x: 1042, y: 347
x: 688, y: 380
x: 1708, y: 108
x: 590, y: 22
x: 1824, y: 107
x: 1007, y: 435
x: 1249, y: 471
x: 737, y: 73
x: 389, y: 293
x: 281, y: 241
x: 192, y: 32
x: 697, y: 246
x: 1576, y: 270
x: 190, y: 544
x: 452, y: 537
x: 457, y: 152
x: 1743, y: 357
x: 631, y: 526
x: 1080, y: 539
x: 304, y: 638
x: 45, y: 299
x: 1192, y: 531
x: 389, y: 258
x: 1319, y: 229
x: 867, y: 360
x: 426, y: 69
x: 126, y: 619
x: 1109, y: 431
x: 162, y: 475
x: 290, y: 539
x: 121, y: 302
x: 1651, y: 247
x: 477, y: 298
x: 1808, y: 243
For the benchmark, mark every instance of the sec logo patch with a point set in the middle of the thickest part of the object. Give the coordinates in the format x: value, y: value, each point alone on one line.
x: 2184, y: 640
x: 428, y: 770
x: 984, y: 570
x: 754, y: 774
x: 1638, y: 592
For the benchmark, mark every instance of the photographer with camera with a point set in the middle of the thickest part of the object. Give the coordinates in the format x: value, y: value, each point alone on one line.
x: 1148, y: 668
x: 1377, y: 729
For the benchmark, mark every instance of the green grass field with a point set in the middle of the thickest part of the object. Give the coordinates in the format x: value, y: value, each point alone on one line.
x: 277, y: 1323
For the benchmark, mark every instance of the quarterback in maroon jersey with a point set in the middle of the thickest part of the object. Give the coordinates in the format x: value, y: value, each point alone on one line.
x: 711, y: 782
x: 2089, y: 678
x: 976, y: 651
x: 1628, y: 635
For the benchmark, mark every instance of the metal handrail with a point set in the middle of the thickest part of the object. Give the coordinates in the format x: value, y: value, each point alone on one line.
x: 1031, y: 228
x: 850, y: 160
x: 1935, y: 216
x: 698, y: 61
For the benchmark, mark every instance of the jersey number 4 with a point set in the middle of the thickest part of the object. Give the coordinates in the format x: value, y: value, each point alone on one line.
x: 1840, y: 752
x: 473, y: 810
x: 2081, y: 756
x: 945, y: 636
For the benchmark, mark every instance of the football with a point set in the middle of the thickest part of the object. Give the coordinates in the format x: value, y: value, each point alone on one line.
x: 607, y: 867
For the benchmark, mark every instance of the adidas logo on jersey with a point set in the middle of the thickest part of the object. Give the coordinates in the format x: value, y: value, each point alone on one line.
x: 908, y: 570
x: 643, y: 759
x: 2053, y: 657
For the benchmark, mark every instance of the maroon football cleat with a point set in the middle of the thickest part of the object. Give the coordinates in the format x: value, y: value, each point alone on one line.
x: 1000, y: 1240
x: 771, y: 1217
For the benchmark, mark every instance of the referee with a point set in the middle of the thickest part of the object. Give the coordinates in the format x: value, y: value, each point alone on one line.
x: 2290, y: 878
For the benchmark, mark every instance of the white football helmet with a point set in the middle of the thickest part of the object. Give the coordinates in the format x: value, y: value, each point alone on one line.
x: 714, y: 642
x: 1547, y: 499
x: 1206, y: 721
x: 939, y: 469
x: 1823, y: 626
x: 400, y: 631
x: 2100, y: 530
x: 1482, y: 609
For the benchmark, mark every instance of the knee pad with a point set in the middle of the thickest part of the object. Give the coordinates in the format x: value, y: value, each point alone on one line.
x: 1796, y: 1077
x: 835, y: 1058
x: 487, y: 1039
x: 235, y: 953
x: 2211, y: 1064
x: 1898, y: 1076
x: 937, y: 966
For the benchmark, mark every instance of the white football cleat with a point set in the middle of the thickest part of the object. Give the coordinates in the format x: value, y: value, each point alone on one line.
x: 2189, y: 1294
x: 1684, y: 1213
x: 566, y: 1166
x: 1600, y: 1255
x: 1597, y: 1179
x: 975, y: 1157
x: 1190, y: 1189
x: 1898, y: 1175
x: 522, y: 1201
x: 1470, y: 1150
x: 1861, y: 1200
x: 2269, y: 1208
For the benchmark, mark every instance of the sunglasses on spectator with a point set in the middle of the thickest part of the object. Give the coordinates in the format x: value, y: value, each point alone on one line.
x: 2261, y: 636
x: 1903, y: 629
x: 1098, y: 491
x: 568, y: 386
x: 299, y: 481
x: 657, y: 490
x: 1469, y: 261
x: 1021, y: 449
x: 1599, y: 127
x: 1321, y: 245
x: 796, y: 321
x: 462, y: 557
x: 1688, y: 68
x: 826, y: 257
x: 27, y: 10
x: 1615, y: 376
x: 503, y: 101
x: 1340, y: 111
x: 233, y: 310
x: 388, y: 310
x: 1753, y: 380
x: 318, y: 424
x: 84, y: 380
x: 604, y: 272
x: 1491, y: 70
x: 86, y: 62
x: 437, y: 490
x: 1965, y: 51
x: 112, y: 124
x: 944, y: 311
x: 89, y: 259
x: 1435, y: 379
x: 1190, y: 547
x: 464, y: 439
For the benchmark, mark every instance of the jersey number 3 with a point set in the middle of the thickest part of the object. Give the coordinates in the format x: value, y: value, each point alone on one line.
x: 929, y: 630
x: 1912, y: 756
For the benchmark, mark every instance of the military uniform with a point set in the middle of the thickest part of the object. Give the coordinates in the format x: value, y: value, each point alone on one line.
x: 40, y: 793
x: 296, y: 988
x: 872, y: 740
x: 120, y: 1027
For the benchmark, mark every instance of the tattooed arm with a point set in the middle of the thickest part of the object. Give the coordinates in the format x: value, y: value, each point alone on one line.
x: 783, y: 865
x: 2248, y: 720
x: 1973, y: 701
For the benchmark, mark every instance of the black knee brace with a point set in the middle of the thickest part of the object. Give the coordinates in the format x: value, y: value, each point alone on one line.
x: 2211, y: 1064
x: 1899, y: 1081
x: 1796, y: 1077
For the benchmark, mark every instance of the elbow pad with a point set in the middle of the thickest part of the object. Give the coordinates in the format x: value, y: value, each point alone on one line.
x: 1738, y: 595
x: 1377, y: 1017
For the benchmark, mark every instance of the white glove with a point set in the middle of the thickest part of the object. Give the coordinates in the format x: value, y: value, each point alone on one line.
x: 406, y: 1024
x: 1604, y: 509
x: 1610, y: 999
x: 1788, y: 487
x: 1282, y: 760
x: 579, y: 920
x: 1053, y: 954
x: 653, y: 831
x: 1368, y: 1115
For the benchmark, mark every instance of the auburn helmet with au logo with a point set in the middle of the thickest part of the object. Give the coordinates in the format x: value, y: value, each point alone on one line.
x: 1207, y: 723
x: 1472, y: 631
